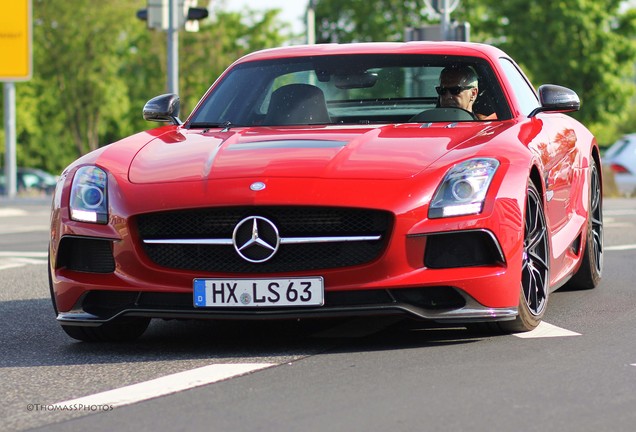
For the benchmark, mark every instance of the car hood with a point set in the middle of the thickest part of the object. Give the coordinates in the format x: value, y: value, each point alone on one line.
x: 387, y: 152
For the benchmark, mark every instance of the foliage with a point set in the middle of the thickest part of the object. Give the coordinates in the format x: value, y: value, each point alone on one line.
x: 366, y: 20
x: 230, y: 35
x: 96, y: 65
x: 587, y: 45
x: 78, y: 49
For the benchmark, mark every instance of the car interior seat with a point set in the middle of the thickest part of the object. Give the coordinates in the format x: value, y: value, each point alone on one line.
x: 297, y: 104
x: 484, y: 104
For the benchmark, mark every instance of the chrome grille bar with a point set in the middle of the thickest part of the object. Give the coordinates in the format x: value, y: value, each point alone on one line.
x: 283, y: 240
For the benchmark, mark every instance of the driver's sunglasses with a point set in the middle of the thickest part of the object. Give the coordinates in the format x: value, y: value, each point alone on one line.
x: 453, y: 90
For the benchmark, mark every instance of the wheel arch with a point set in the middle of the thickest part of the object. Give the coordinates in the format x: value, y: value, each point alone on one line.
x: 535, y: 177
x: 596, y: 155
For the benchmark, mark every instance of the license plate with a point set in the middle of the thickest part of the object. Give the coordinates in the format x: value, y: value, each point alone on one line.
x: 259, y: 292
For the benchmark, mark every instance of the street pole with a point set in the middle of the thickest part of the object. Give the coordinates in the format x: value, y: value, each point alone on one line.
x: 311, y: 23
x: 10, y: 140
x: 173, y: 46
x: 445, y: 20
x: 444, y: 9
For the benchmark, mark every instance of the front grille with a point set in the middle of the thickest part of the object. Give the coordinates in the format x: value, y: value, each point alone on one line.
x: 298, y: 222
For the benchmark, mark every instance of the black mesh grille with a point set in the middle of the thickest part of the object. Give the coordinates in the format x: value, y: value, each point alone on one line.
x: 461, y: 249
x: 290, y: 222
x: 86, y: 255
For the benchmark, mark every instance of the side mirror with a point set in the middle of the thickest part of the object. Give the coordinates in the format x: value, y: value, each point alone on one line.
x: 164, y: 108
x: 556, y: 98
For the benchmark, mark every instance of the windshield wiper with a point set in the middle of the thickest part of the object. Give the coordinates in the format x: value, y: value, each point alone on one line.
x: 226, y: 125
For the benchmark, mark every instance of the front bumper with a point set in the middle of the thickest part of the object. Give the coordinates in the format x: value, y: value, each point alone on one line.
x: 438, y: 304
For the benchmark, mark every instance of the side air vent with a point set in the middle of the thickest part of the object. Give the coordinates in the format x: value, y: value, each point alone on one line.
x: 462, y: 249
x: 86, y: 255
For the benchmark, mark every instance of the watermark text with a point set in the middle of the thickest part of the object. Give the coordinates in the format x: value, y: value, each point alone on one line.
x: 69, y: 407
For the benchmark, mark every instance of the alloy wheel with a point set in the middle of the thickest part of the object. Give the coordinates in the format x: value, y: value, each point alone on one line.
x: 596, y: 213
x: 534, y: 273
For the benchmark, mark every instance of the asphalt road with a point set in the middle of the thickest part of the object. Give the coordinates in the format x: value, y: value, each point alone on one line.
x: 577, y: 373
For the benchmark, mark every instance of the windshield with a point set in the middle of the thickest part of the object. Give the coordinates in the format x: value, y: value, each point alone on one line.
x: 354, y: 89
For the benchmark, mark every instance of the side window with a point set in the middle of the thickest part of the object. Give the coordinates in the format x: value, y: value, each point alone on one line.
x: 526, y: 95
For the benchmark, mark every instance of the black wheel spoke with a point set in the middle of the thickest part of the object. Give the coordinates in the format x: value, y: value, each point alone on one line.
x: 597, y: 220
x: 589, y: 272
x: 535, y: 263
x: 538, y: 262
x: 535, y: 240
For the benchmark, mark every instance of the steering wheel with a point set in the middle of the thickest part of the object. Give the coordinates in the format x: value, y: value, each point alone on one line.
x: 445, y: 114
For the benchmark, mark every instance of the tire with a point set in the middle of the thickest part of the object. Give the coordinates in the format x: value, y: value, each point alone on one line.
x: 589, y: 273
x: 123, y: 329
x: 51, y: 284
x: 535, y: 269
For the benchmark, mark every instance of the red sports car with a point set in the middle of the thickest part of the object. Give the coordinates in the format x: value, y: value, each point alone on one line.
x: 331, y: 180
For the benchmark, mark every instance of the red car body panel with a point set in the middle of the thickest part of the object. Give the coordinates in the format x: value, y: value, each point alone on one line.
x: 392, y: 167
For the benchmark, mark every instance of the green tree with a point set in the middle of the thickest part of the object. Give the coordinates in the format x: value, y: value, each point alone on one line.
x: 78, y: 53
x: 587, y: 45
x: 60, y: 112
x: 96, y: 66
x: 220, y: 41
x: 366, y: 20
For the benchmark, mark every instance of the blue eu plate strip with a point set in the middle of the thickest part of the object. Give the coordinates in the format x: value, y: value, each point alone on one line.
x: 199, y: 292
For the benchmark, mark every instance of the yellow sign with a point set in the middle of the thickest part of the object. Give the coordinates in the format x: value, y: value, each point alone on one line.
x: 15, y: 40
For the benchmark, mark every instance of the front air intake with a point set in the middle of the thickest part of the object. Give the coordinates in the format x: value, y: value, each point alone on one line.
x: 86, y: 255
x: 462, y: 249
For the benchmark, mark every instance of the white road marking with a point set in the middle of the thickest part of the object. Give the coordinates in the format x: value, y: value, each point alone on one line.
x: 205, y: 375
x: 618, y: 225
x: 15, y: 259
x: 15, y: 254
x: 166, y: 385
x: 620, y: 247
x: 619, y: 212
x: 19, y: 262
x: 545, y: 330
x: 11, y: 212
x: 24, y: 229
x: 610, y: 222
x: 10, y: 266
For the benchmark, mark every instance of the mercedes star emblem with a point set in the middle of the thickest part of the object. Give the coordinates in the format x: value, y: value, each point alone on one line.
x: 257, y: 186
x: 256, y: 239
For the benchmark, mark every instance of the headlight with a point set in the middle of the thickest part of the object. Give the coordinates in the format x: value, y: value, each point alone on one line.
x: 89, y: 197
x: 463, y: 189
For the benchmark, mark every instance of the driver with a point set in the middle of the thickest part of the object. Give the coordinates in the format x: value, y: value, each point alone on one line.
x: 458, y: 88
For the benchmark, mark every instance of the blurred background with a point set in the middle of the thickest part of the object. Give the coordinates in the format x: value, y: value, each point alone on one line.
x: 95, y: 64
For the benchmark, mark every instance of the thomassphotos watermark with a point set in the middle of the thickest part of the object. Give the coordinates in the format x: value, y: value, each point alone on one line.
x: 69, y: 407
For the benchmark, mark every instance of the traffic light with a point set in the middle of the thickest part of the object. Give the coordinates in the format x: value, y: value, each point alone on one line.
x: 197, y: 13
x: 157, y: 14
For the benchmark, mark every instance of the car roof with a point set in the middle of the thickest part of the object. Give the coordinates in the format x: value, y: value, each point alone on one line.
x: 418, y: 47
